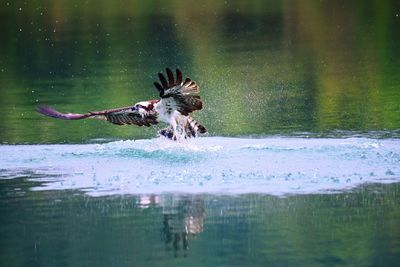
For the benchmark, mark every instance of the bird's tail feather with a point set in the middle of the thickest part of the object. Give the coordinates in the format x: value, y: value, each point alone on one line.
x: 194, y: 127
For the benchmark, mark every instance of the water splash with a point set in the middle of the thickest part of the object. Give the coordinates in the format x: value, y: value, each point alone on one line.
x: 275, y: 166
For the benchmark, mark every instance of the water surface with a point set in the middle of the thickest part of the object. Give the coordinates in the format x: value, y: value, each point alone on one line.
x: 264, y: 67
x: 300, y: 166
x: 276, y: 165
x: 53, y: 228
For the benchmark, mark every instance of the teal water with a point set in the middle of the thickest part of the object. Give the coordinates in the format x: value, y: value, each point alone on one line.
x: 68, y: 228
x: 300, y: 166
x: 214, y: 201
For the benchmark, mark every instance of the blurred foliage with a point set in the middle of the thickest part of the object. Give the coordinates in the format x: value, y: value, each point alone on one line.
x: 265, y: 67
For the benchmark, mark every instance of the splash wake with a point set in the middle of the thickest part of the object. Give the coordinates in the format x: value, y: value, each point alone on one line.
x: 276, y: 166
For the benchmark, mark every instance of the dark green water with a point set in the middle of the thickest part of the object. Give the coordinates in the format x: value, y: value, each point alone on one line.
x: 64, y: 228
x: 291, y: 68
x: 264, y: 67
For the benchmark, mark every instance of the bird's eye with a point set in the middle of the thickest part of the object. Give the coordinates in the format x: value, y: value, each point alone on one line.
x: 142, y: 107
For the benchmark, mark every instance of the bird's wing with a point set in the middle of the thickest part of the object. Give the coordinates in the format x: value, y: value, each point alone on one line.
x: 119, y: 116
x: 185, y: 94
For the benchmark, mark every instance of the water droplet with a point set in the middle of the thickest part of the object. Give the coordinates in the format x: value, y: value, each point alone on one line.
x: 389, y: 172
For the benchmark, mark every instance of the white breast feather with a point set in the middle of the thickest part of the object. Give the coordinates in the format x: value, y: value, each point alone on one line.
x: 167, y: 113
x: 166, y: 110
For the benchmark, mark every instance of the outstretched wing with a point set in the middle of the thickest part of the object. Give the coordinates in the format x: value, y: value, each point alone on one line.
x: 119, y: 116
x: 185, y: 94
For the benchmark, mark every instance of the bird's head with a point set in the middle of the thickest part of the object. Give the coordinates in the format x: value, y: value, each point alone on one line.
x: 144, y: 107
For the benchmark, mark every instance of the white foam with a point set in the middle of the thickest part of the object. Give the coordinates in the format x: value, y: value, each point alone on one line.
x: 275, y: 166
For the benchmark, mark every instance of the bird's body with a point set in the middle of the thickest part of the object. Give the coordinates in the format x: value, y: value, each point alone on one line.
x: 178, y: 99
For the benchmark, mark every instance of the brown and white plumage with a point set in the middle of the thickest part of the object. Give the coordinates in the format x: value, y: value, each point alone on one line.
x: 178, y: 99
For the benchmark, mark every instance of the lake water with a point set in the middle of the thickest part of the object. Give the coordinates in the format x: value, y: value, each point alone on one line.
x: 301, y: 165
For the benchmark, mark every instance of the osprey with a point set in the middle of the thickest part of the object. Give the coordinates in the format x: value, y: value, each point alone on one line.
x: 178, y: 99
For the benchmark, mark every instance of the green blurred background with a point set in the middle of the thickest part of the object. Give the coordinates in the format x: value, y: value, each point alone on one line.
x: 325, y: 68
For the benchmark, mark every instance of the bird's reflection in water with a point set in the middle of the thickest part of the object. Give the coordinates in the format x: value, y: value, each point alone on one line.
x: 183, y: 217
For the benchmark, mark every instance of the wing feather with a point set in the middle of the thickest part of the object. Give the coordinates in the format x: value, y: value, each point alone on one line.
x: 171, y: 79
x: 159, y: 88
x: 184, y: 94
x: 178, y: 76
x: 119, y: 116
x: 163, y: 81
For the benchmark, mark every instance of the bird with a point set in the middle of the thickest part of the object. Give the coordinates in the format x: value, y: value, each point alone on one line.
x: 178, y: 99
